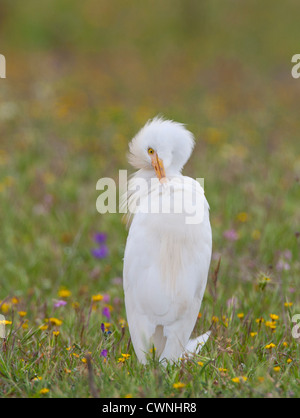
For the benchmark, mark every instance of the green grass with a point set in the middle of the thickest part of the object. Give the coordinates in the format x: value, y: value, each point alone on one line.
x: 68, y: 108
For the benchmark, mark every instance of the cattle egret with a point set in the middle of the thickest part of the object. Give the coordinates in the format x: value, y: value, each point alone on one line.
x: 168, y: 253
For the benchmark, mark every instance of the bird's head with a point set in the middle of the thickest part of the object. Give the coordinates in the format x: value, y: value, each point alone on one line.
x: 163, y: 146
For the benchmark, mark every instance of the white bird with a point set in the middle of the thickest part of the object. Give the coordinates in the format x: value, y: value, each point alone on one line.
x: 167, y: 255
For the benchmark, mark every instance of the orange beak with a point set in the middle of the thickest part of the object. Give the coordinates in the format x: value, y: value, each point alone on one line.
x: 159, y: 168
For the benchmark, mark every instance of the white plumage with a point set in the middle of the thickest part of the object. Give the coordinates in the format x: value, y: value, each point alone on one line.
x: 167, y: 257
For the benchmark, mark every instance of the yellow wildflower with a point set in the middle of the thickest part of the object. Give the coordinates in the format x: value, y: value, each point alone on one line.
x: 126, y: 356
x: 270, y: 346
x: 123, y: 358
x: 106, y: 325
x: 44, y: 391
x: 239, y: 379
x: 43, y: 327
x: 214, y: 136
x: 55, y: 321
x: 5, y: 322
x: 64, y: 293
x: 22, y: 314
x: 225, y: 321
x: 178, y: 385
x: 242, y: 217
x: 5, y: 307
x: 122, y: 322
x: 241, y: 315
x: 97, y: 298
x: 277, y: 369
x: 271, y: 325
x: 256, y: 235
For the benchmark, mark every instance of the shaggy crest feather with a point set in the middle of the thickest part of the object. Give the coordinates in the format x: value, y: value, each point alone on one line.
x: 166, y: 136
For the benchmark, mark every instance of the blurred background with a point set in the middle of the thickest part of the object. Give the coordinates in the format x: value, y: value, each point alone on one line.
x: 84, y: 76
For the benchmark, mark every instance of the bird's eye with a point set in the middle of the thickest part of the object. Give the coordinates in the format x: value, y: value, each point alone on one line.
x: 150, y: 151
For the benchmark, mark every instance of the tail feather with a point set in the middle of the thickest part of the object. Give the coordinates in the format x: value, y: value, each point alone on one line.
x: 195, y: 345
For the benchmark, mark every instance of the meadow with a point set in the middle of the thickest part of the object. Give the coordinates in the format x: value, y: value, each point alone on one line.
x: 79, y: 86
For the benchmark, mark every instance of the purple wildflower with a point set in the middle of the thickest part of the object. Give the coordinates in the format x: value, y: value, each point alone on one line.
x: 287, y: 254
x: 231, y: 235
x: 283, y: 262
x: 117, y: 280
x: 60, y: 303
x: 282, y: 266
x: 232, y: 302
x: 101, y: 252
x: 102, y: 327
x: 216, y: 255
x: 100, y: 237
x: 106, y: 312
x: 117, y: 301
x: 106, y: 298
x: 104, y: 353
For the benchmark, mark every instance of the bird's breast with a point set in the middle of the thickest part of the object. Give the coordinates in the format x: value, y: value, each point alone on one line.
x: 166, y: 261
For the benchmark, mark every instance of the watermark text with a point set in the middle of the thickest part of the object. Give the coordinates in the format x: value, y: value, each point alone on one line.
x: 177, y: 195
x: 2, y: 326
x: 296, y: 68
x: 2, y: 66
x: 296, y: 327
